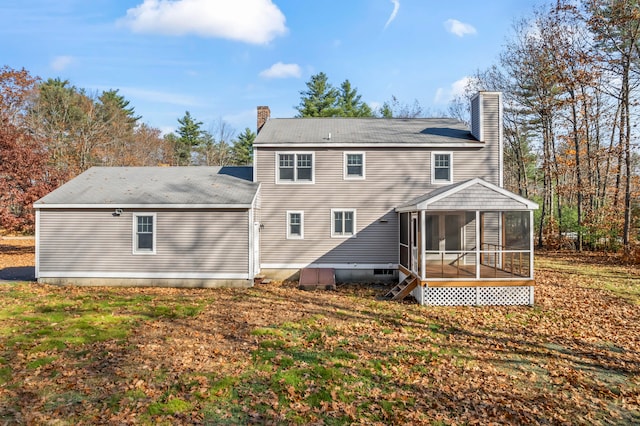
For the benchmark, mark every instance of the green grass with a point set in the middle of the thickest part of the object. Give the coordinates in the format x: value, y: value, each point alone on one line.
x: 40, y: 362
x: 172, y: 406
x: 5, y: 375
x: 620, y: 281
x: 259, y: 356
x: 62, y: 321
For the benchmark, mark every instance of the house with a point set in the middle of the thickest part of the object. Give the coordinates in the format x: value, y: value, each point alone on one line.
x: 154, y: 226
x: 417, y: 201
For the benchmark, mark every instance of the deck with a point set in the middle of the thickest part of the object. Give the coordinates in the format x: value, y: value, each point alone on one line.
x: 446, y: 275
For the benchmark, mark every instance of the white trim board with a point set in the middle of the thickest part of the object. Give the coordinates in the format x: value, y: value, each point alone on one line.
x: 37, y: 243
x: 371, y: 145
x: 149, y: 275
x: 142, y: 206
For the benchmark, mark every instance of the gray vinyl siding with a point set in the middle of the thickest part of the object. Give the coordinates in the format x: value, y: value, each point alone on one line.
x: 492, y: 234
x: 486, y: 124
x: 470, y: 232
x: 491, y: 130
x: 393, y: 177
x: 475, y: 117
x: 187, y: 241
x: 477, y: 197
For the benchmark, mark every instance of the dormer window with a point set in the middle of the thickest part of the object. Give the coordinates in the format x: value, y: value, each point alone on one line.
x: 441, y: 169
x: 295, y: 167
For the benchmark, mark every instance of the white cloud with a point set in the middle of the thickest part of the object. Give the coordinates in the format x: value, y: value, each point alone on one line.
x: 280, y: 70
x: 457, y: 88
x: 60, y: 63
x: 396, y: 7
x: 249, y: 21
x: 459, y: 28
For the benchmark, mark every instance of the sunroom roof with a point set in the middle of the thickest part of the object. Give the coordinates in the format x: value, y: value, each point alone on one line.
x: 469, y: 195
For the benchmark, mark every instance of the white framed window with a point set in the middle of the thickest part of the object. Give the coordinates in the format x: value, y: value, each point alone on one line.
x: 295, y: 225
x: 441, y: 167
x: 294, y: 167
x: 354, y: 165
x: 343, y: 223
x: 144, y: 233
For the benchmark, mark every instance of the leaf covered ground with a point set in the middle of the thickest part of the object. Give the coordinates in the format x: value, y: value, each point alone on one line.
x: 276, y: 355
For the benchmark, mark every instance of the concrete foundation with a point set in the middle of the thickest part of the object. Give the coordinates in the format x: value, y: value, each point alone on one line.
x: 146, y: 282
x: 342, y: 275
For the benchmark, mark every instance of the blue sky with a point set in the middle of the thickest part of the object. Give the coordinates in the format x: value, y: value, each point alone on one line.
x: 219, y: 59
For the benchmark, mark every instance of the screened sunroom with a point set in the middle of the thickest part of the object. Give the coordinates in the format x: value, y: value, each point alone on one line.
x: 468, y: 243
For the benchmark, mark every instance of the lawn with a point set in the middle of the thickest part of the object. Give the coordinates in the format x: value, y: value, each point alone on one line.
x: 274, y: 354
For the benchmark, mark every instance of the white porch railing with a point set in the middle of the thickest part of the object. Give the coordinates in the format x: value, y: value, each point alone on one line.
x: 491, y: 262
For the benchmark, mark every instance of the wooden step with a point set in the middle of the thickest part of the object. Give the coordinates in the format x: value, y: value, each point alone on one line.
x: 402, y: 290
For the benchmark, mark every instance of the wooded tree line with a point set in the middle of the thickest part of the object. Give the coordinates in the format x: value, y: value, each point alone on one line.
x: 50, y: 131
x: 569, y: 76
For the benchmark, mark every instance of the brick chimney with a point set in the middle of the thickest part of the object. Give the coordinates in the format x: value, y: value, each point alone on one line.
x: 264, y: 113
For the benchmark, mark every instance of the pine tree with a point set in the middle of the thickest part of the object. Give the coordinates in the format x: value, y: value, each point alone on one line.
x: 319, y: 100
x: 243, y: 147
x: 189, y: 137
x: 349, y: 102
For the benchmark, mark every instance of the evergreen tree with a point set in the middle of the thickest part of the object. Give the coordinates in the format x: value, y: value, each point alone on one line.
x: 189, y: 137
x: 319, y: 100
x: 117, y: 104
x: 386, y: 111
x: 243, y: 148
x: 119, y: 121
x: 349, y: 103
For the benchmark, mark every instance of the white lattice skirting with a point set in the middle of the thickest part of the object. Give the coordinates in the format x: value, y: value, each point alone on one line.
x: 456, y: 296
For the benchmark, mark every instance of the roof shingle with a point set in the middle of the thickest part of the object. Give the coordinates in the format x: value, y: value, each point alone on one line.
x: 118, y: 186
x: 365, y: 130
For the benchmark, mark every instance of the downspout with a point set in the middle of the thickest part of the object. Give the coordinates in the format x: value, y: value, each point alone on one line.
x: 252, y: 237
x: 423, y: 245
x: 251, y: 245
